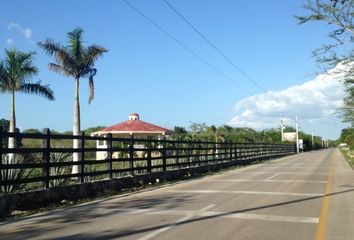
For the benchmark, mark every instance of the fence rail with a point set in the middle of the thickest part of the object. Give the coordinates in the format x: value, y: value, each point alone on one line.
x: 49, y: 163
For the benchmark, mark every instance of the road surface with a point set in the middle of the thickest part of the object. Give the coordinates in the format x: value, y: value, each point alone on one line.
x: 305, y: 196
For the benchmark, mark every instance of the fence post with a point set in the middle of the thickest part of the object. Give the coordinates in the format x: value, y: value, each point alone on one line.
x: 206, y: 158
x: 46, y: 156
x: 149, y: 154
x: 230, y: 146
x: 224, y: 152
x: 82, y: 152
x: 236, y: 157
x: 177, y: 152
x: 190, y: 153
x: 198, y: 152
x: 214, y: 151
x: 110, y: 154
x: 131, y: 155
x: 164, y: 155
x: 295, y: 148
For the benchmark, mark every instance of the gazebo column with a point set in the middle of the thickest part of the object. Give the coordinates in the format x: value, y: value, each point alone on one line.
x: 101, y: 144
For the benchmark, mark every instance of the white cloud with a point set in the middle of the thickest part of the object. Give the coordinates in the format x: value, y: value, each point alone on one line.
x: 9, y: 41
x: 315, y: 101
x: 26, y: 32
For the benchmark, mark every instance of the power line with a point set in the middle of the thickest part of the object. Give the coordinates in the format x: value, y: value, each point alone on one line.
x: 183, y: 45
x: 214, y: 46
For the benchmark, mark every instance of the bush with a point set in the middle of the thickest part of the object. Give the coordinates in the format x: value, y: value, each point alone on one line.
x: 13, y: 174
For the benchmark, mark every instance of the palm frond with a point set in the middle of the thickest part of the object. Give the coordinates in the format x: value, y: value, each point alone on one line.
x: 92, y: 89
x: 50, y: 47
x: 69, y: 63
x: 17, y: 69
x: 91, y: 72
x: 76, y: 43
x: 59, y: 69
x: 3, y: 78
x: 62, y: 56
x: 38, y: 89
x: 93, y: 52
x: 25, y: 57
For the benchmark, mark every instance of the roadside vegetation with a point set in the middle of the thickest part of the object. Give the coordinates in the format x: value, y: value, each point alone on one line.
x: 346, y: 144
x: 338, y: 49
x: 203, y: 132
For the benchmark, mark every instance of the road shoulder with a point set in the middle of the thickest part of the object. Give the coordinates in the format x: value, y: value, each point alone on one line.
x: 341, y: 208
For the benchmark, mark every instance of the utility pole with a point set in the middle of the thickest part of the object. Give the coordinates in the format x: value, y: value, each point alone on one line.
x: 313, y: 142
x: 297, y: 135
x: 282, y: 128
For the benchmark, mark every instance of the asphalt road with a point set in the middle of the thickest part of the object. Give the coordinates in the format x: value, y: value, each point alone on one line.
x: 305, y: 196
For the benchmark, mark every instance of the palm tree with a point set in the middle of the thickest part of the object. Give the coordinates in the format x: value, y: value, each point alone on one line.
x: 77, y: 61
x: 16, y: 72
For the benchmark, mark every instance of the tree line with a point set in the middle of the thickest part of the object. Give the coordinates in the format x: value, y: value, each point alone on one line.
x: 203, y: 132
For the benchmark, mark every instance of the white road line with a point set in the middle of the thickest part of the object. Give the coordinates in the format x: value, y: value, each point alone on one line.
x: 315, y: 173
x: 272, y: 176
x: 305, y: 166
x: 164, y: 229
x: 207, y: 208
x: 295, y: 173
x: 190, y: 214
x: 273, y: 218
x: 202, y: 213
x: 276, y: 181
x: 250, y: 192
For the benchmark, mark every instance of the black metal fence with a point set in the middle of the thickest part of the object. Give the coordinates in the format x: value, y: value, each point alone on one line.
x: 48, y: 161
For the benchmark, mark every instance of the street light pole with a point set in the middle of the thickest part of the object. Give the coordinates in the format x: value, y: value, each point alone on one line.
x: 313, y: 142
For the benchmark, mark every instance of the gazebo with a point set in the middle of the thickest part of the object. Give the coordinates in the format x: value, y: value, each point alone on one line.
x: 132, y: 127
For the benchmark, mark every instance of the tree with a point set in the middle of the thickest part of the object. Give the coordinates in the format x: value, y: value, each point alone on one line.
x: 16, y: 72
x: 339, y: 15
x: 348, y: 109
x: 347, y: 136
x: 179, y: 130
x: 90, y: 130
x: 76, y: 61
x: 32, y: 131
x: 5, y: 124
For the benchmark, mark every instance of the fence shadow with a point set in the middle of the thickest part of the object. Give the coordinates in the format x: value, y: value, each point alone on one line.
x: 88, y: 213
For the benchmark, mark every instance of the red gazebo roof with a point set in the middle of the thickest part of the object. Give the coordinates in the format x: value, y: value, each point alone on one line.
x: 135, y: 126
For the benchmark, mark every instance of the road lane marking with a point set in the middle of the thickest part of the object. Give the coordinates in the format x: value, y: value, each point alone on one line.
x: 207, y: 208
x: 250, y: 192
x: 272, y: 176
x: 273, y: 180
x: 190, y: 215
x: 321, y: 227
x: 217, y: 214
x: 295, y: 173
x: 305, y: 166
x: 274, y: 218
x: 164, y: 229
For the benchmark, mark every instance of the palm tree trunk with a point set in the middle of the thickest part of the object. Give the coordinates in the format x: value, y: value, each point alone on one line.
x: 76, y: 127
x: 12, y: 143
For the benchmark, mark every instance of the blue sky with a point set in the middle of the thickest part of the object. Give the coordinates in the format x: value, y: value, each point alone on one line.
x: 147, y: 72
